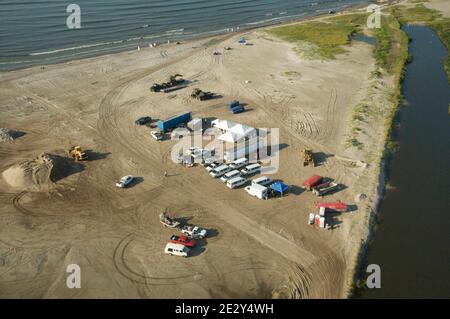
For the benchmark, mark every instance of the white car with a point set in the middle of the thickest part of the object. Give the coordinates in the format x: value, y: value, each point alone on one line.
x: 125, y: 181
x: 156, y: 135
x: 194, y: 232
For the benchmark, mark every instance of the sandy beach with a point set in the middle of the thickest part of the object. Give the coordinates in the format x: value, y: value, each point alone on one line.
x: 258, y: 249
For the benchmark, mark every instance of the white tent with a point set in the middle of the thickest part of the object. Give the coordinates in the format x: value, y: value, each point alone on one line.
x: 223, y: 124
x: 243, y: 130
x: 230, y: 137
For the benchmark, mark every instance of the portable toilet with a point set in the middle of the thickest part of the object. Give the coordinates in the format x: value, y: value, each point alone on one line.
x: 316, y: 220
x: 322, y: 222
x: 322, y: 211
x: 311, y: 219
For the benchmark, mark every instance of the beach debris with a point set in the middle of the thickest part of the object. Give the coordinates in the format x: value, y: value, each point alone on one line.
x: 360, y: 197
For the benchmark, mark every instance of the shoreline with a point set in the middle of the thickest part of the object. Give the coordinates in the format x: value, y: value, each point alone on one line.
x: 199, y: 38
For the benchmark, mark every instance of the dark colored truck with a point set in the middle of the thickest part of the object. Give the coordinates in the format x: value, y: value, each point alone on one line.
x: 325, y: 188
x: 174, y: 122
x: 235, y: 107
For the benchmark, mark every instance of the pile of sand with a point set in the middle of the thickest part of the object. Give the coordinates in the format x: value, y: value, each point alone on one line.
x: 40, y: 173
x: 7, y: 135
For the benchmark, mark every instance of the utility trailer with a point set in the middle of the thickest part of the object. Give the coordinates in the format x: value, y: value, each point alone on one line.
x: 337, y: 206
x: 325, y: 188
x: 174, y: 88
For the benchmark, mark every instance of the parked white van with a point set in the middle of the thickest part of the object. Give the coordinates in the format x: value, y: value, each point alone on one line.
x: 177, y: 250
x: 258, y: 191
x: 236, y: 182
x: 239, y: 163
x: 263, y: 180
x: 251, y: 169
x: 219, y: 171
x: 230, y: 175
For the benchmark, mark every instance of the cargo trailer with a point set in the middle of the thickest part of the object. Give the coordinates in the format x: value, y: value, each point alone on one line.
x: 174, y: 121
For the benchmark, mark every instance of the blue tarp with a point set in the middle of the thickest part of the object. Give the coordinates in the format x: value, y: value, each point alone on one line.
x: 279, y: 187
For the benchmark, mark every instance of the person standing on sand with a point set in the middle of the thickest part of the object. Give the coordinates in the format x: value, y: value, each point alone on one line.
x: 165, y: 173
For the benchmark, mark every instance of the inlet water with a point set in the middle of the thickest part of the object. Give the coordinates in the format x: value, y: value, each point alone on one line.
x: 412, y: 242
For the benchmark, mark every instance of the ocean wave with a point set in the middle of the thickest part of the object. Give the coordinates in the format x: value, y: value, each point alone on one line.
x: 80, y: 47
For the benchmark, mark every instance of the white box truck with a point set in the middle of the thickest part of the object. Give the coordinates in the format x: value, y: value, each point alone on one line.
x: 258, y: 191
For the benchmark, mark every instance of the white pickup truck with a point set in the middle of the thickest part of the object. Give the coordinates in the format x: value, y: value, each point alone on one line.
x: 194, y: 232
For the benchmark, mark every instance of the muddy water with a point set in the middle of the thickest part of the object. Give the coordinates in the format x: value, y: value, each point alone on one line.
x: 412, y: 241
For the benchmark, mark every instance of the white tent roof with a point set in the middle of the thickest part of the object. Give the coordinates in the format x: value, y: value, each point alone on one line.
x: 233, y: 131
x: 243, y: 130
x: 230, y: 137
x: 223, y: 124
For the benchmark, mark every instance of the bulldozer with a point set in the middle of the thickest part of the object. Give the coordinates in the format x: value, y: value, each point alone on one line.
x: 77, y: 154
x: 174, y: 80
x: 308, y: 157
x: 201, y: 95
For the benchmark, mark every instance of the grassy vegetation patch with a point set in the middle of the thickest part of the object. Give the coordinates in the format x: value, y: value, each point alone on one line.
x: 391, y: 50
x: 328, y: 37
x: 416, y: 14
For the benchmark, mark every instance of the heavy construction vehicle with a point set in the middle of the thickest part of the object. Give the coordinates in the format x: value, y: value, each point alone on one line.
x: 308, y: 157
x: 201, y: 95
x: 174, y: 80
x: 77, y: 154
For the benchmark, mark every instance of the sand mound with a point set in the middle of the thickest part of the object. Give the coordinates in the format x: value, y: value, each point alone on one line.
x: 7, y: 135
x: 41, y: 172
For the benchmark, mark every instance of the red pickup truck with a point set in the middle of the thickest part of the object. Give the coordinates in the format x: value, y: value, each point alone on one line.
x: 312, y: 182
x: 183, y: 240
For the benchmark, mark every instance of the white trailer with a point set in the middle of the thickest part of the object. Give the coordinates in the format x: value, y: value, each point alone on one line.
x: 233, y: 154
x: 258, y: 191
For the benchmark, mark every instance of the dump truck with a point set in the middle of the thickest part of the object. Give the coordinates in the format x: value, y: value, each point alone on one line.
x: 202, y: 95
x: 77, y: 154
x: 308, y: 157
x: 174, y: 81
x: 174, y: 122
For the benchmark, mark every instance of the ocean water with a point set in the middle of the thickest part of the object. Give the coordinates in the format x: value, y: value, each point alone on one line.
x: 34, y: 32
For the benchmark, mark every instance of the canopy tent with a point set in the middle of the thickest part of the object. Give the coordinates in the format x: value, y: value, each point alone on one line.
x: 232, y: 131
x: 279, y: 187
x: 243, y: 130
x: 223, y: 124
x: 229, y: 137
